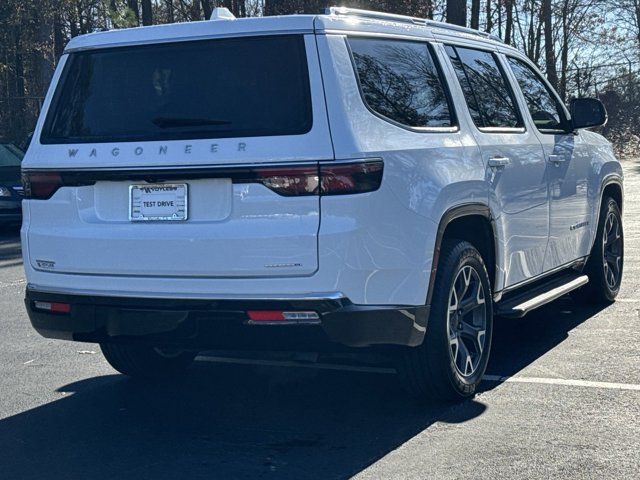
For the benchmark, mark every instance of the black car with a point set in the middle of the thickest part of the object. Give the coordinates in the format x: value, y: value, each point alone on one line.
x: 10, y: 186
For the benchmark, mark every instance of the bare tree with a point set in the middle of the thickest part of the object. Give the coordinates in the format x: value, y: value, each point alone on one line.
x: 475, y: 14
x: 508, y: 5
x: 147, y: 13
x: 549, y: 47
x: 457, y: 12
x: 206, y: 7
x: 489, y: 12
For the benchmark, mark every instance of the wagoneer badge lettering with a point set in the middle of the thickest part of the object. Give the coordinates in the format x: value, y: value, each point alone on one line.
x: 162, y: 150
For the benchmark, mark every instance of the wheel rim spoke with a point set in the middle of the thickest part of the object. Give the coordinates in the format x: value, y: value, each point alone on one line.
x: 612, y: 250
x: 466, y: 321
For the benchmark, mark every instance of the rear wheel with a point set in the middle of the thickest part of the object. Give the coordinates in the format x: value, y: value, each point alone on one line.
x: 450, y: 363
x: 148, y: 362
x: 605, y: 264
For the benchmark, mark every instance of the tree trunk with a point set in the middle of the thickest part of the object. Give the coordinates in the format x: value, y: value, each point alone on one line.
x: 58, y: 37
x: 206, y: 7
x: 429, y: 9
x: 508, y: 30
x: 170, y: 11
x: 133, y: 6
x: 636, y: 20
x: 564, y: 52
x: 19, y: 85
x: 475, y: 14
x: 147, y: 13
x: 549, y: 47
x: 457, y: 12
x: 489, y: 17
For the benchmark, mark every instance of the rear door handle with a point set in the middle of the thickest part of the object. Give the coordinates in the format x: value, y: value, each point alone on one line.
x: 499, y: 162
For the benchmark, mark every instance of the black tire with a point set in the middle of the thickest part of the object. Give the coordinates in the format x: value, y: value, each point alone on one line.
x: 147, y: 362
x: 429, y: 371
x: 600, y: 289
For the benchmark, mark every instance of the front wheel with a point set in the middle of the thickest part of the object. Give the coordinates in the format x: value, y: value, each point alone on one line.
x: 142, y: 361
x: 606, y: 261
x: 451, y: 361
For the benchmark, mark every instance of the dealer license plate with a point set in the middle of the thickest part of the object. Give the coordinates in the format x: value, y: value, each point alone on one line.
x: 161, y: 202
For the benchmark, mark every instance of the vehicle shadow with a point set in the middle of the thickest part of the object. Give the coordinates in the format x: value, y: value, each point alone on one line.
x: 519, y: 342
x: 247, y: 421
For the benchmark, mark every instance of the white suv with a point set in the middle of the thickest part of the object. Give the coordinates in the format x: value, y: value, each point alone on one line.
x: 303, y: 182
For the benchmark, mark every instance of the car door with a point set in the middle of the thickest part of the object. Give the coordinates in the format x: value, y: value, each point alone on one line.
x: 516, y: 167
x: 569, y: 165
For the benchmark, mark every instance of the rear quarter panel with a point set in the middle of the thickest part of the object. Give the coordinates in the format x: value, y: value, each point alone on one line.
x: 386, y: 239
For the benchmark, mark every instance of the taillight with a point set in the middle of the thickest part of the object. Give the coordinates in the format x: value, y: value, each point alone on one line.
x: 290, y: 181
x: 327, y: 179
x: 350, y: 178
x: 41, y: 185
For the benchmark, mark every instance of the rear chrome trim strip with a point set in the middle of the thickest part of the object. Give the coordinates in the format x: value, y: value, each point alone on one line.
x: 168, y: 296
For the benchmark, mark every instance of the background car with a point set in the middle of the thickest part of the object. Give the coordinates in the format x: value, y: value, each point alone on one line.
x: 10, y: 187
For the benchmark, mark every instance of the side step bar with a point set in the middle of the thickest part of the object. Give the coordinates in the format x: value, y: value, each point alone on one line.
x: 521, y: 304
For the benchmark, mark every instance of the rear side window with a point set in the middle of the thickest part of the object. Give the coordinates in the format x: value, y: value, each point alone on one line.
x: 252, y: 86
x: 400, y: 82
x: 490, y: 100
x: 545, y: 109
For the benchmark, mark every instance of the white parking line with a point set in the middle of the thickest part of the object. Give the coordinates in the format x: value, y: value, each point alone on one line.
x: 562, y: 381
x: 383, y: 370
x: 285, y: 363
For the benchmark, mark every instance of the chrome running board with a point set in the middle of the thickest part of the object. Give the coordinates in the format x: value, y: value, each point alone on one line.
x: 519, y: 305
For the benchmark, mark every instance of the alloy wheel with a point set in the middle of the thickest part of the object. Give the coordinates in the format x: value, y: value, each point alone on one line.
x: 467, y: 321
x: 612, y: 250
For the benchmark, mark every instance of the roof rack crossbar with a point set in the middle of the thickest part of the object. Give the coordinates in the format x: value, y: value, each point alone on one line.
x: 393, y: 17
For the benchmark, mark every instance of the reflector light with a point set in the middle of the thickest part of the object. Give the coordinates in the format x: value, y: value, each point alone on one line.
x: 280, y: 317
x: 53, y: 307
x: 265, y: 315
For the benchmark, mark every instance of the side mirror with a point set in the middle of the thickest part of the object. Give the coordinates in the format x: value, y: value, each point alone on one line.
x: 587, y: 112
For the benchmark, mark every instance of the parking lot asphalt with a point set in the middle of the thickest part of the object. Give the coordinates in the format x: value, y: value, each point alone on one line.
x: 561, y: 400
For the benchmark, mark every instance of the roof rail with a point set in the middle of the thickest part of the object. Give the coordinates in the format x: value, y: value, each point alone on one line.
x: 393, y: 17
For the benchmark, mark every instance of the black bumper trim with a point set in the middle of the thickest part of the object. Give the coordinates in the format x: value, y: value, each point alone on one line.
x: 205, y: 324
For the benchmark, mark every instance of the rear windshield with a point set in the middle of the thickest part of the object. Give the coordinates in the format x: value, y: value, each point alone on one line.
x: 240, y: 87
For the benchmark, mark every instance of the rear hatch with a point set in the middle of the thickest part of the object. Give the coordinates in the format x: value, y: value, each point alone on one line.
x: 187, y: 159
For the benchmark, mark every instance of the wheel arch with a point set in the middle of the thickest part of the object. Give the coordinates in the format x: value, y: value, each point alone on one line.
x: 474, y: 223
x: 613, y: 187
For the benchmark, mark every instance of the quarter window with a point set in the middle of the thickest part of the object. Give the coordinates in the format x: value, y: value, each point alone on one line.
x: 485, y: 88
x: 400, y: 82
x: 545, y: 109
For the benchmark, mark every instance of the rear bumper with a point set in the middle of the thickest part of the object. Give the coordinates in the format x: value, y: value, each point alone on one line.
x: 223, y: 324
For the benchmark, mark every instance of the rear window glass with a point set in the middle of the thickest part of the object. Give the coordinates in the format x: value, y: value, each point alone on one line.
x: 400, y: 81
x: 241, y: 87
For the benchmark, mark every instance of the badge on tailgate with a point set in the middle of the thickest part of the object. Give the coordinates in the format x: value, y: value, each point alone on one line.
x: 158, y: 202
